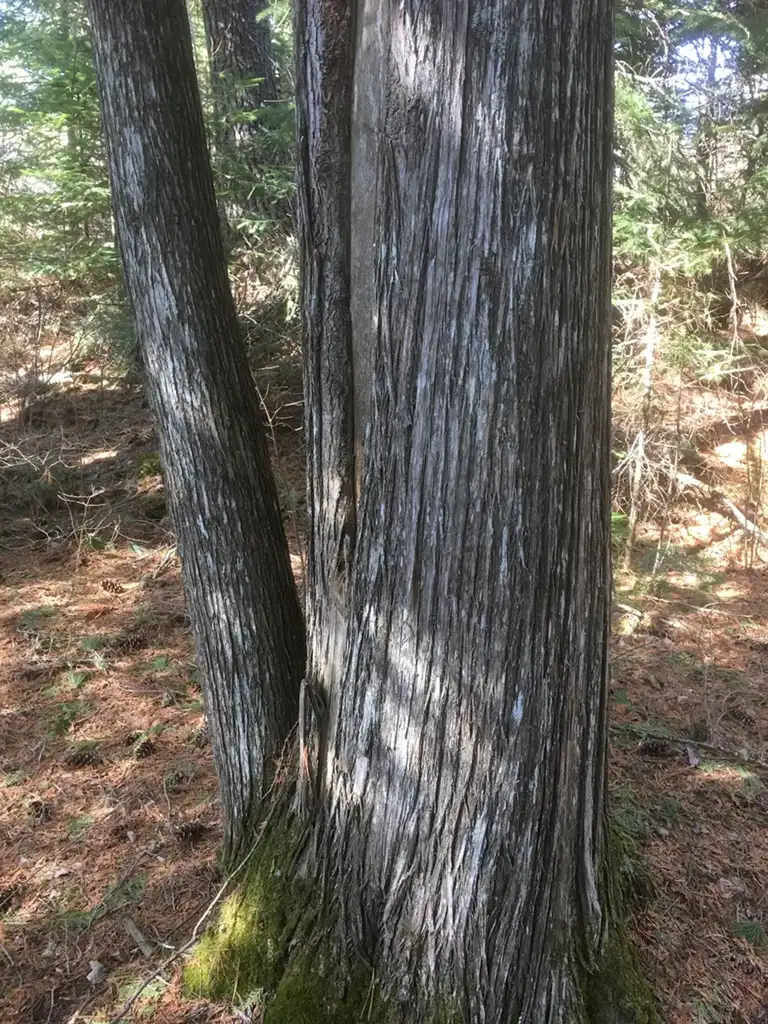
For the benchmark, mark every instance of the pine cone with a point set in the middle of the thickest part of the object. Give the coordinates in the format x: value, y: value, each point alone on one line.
x: 189, y: 831
x: 653, y: 746
x: 143, y: 747
x: 202, y: 737
x: 112, y: 586
x: 743, y: 715
x: 127, y: 642
x: 83, y: 756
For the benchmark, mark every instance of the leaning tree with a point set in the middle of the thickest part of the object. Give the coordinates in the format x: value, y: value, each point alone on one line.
x: 242, y: 598
x: 454, y: 202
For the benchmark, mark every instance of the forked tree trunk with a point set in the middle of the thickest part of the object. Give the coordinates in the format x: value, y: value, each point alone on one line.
x: 455, y: 215
x: 240, y: 592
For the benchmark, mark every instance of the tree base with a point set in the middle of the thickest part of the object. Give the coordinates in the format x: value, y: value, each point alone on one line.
x: 271, y: 949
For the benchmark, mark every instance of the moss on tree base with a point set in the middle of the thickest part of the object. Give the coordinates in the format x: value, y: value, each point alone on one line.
x: 267, y: 949
x: 619, y: 992
x: 247, y: 950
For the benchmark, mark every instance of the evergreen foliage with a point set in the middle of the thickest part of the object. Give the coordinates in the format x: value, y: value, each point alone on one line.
x: 690, y: 220
x: 55, y: 215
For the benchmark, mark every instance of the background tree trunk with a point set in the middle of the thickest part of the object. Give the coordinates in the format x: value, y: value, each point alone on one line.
x: 465, y: 740
x: 242, y: 68
x: 241, y: 594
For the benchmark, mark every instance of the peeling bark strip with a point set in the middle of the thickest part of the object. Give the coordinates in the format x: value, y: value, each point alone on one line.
x: 240, y: 592
x: 324, y: 53
x: 465, y: 810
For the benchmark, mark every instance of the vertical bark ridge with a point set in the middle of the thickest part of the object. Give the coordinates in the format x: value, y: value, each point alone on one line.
x: 239, y: 42
x: 325, y: 48
x: 465, y: 812
x: 240, y: 591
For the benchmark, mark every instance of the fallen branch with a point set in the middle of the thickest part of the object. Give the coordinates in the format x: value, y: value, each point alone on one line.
x: 686, y: 480
x: 727, y: 753
x: 146, y: 946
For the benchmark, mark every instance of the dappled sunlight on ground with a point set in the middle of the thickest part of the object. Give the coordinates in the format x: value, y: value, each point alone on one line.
x: 108, y: 805
x: 108, y: 808
x: 689, y: 745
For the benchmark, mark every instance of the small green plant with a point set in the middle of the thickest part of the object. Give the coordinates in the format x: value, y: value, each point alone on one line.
x: 619, y: 529
x: 14, y: 778
x: 78, y: 827
x: 649, y: 730
x: 732, y: 677
x: 650, y: 585
x: 33, y: 619
x: 92, y: 643
x: 620, y: 697
x: 99, y: 662
x: 149, y: 465
x: 144, y: 743
x: 65, y: 717
x: 667, y: 809
x: 179, y: 774
x: 76, y: 680
x: 116, y: 896
x: 683, y: 658
x: 711, y: 1009
x: 75, y: 920
x: 145, y: 615
x: 145, y: 1005
x: 753, y: 931
x: 71, y: 681
x: 628, y: 815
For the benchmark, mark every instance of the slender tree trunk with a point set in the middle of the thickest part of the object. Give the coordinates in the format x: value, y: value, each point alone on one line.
x: 455, y: 186
x: 240, y: 591
x: 243, y: 77
x: 639, y: 457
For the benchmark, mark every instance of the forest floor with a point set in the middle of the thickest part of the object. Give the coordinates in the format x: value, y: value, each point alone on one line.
x: 109, y: 824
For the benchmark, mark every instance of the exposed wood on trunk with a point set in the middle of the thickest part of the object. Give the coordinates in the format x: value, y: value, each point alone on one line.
x: 240, y: 591
x: 467, y: 733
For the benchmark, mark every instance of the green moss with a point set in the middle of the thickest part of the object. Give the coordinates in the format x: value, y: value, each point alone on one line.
x: 312, y: 992
x: 618, y: 992
x: 149, y: 465
x: 265, y: 950
x: 247, y: 949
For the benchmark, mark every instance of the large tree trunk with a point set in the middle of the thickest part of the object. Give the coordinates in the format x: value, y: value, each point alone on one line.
x: 459, y: 444
x: 242, y: 63
x: 241, y: 594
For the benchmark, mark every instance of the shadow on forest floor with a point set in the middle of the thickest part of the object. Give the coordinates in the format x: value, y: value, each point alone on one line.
x: 108, y: 804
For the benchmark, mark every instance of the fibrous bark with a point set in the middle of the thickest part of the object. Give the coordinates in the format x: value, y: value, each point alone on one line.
x: 323, y: 114
x: 240, y: 591
x: 462, y: 759
x: 239, y: 41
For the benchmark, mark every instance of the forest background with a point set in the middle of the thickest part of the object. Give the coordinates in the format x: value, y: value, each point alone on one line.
x: 93, y: 625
